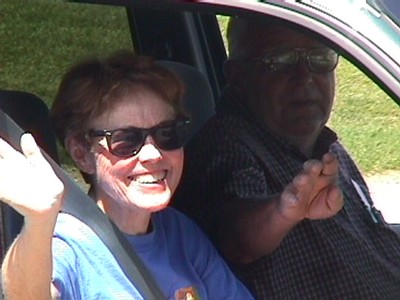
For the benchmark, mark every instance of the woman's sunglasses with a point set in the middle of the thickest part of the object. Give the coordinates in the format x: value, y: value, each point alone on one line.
x: 126, y: 142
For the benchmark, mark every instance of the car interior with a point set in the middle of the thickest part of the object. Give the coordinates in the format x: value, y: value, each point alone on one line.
x: 32, y: 114
x: 196, y: 54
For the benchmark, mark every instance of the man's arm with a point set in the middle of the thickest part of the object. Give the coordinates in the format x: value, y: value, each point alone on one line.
x: 29, y: 185
x: 248, y: 229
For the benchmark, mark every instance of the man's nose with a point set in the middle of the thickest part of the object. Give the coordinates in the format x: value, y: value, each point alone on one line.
x: 302, y: 70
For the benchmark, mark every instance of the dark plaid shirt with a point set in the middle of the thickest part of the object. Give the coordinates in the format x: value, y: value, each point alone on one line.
x: 2, y: 234
x: 348, y: 256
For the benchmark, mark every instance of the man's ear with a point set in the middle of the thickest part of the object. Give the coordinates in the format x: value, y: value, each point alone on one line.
x: 79, y: 151
x: 234, y: 72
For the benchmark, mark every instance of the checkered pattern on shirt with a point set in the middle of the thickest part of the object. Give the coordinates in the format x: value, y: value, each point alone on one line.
x: 2, y: 233
x: 344, y: 257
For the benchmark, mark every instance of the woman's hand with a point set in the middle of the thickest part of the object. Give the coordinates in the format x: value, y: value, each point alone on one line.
x: 27, y: 180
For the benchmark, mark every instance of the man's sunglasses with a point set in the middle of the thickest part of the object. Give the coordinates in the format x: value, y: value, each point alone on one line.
x: 126, y: 142
x: 319, y: 59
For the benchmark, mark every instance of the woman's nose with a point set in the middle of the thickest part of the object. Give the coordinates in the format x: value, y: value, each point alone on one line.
x: 149, y: 151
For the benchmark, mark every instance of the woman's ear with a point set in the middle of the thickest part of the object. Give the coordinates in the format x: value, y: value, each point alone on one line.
x: 79, y: 151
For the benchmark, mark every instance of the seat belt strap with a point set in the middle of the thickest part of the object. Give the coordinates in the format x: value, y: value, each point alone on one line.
x: 89, y: 213
x: 78, y: 204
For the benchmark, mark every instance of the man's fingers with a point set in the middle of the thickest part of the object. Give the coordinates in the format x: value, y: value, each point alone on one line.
x: 289, y: 196
x: 335, y: 200
x: 327, y: 166
x: 327, y: 203
x: 313, y: 192
x: 313, y: 167
x: 328, y: 157
x: 330, y: 164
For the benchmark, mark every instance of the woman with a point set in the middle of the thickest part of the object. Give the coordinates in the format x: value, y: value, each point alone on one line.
x: 122, y: 123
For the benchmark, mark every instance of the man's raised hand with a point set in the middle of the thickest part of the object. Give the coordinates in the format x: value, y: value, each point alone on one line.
x: 313, y: 193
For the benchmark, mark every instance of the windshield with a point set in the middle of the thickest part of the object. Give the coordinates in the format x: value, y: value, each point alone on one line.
x: 389, y: 7
x: 367, y: 17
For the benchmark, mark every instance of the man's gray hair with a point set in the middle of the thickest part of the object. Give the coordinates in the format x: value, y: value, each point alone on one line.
x: 242, y: 33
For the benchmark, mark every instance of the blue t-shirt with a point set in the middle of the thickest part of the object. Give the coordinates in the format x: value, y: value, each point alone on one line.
x: 177, y: 253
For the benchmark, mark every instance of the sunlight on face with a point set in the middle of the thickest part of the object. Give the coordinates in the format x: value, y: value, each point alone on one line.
x: 147, y: 180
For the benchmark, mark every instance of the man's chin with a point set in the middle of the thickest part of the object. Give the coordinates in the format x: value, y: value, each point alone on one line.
x: 303, y: 135
x: 305, y: 132
x: 299, y: 132
x: 305, y: 128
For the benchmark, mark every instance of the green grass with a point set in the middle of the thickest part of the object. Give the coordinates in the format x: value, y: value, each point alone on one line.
x: 367, y: 120
x: 40, y: 39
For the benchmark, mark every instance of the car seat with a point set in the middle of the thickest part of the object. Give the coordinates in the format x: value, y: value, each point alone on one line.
x: 198, y: 99
x: 31, y: 114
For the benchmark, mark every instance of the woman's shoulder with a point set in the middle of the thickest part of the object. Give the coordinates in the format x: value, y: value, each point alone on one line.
x: 73, y: 231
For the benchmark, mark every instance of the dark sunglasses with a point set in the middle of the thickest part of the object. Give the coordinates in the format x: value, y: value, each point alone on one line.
x: 126, y: 142
x: 319, y: 59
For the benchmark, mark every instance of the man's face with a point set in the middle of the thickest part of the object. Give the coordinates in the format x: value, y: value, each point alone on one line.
x: 294, y: 102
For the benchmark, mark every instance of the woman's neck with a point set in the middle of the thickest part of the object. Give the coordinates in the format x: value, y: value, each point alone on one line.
x: 128, y: 218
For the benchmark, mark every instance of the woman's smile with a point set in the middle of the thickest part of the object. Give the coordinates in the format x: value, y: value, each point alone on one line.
x: 149, y: 178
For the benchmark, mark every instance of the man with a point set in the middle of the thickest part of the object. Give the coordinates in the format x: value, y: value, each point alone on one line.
x: 269, y: 182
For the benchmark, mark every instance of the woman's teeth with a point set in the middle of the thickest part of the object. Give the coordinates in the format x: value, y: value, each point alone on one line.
x: 149, y: 178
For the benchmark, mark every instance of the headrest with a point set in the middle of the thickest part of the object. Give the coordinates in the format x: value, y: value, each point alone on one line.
x: 198, y: 98
x: 31, y: 114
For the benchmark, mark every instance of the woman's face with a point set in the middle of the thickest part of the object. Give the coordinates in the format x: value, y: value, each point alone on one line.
x: 148, y: 179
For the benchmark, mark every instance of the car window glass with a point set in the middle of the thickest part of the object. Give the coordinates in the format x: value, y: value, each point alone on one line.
x: 389, y: 7
x: 222, y: 22
x: 367, y: 120
x: 40, y: 40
